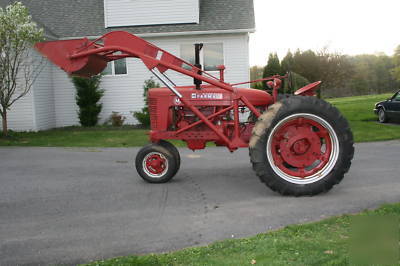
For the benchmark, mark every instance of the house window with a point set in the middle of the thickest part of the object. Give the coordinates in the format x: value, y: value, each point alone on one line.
x: 211, y: 56
x: 117, y: 67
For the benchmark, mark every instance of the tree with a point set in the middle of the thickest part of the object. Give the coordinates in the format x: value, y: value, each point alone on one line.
x: 372, y: 74
x: 333, y: 69
x: 293, y: 82
x: 256, y: 72
x: 144, y: 116
x: 88, y: 94
x: 273, y: 67
x: 306, y: 64
x: 287, y: 62
x: 396, y: 60
x: 18, y: 67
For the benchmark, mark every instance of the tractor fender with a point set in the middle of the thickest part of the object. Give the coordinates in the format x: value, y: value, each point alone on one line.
x: 264, y: 121
x: 308, y: 90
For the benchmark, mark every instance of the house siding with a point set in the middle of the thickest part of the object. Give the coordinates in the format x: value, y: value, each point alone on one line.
x: 64, y: 99
x: 120, y: 13
x: 43, y: 98
x: 21, y: 115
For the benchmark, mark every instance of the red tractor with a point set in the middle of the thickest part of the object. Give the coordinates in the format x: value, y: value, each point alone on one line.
x: 298, y: 144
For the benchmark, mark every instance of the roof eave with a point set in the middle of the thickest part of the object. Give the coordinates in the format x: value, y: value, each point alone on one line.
x: 183, y: 33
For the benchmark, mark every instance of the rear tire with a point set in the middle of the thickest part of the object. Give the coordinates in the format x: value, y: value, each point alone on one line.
x: 301, y: 146
x: 155, y: 164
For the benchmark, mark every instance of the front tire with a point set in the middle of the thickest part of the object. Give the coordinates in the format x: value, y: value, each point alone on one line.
x: 155, y: 164
x: 382, y: 116
x: 301, y: 146
x: 174, y: 151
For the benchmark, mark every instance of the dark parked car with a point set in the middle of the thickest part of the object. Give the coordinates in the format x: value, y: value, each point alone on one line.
x: 389, y: 109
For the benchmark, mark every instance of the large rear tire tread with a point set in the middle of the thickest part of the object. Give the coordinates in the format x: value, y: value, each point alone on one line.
x: 293, y: 105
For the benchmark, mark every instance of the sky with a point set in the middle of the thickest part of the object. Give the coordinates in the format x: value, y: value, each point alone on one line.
x: 346, y: 26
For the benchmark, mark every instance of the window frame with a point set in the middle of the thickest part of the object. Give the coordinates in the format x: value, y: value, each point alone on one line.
x: 396, y: 97
x: 112, y: 74
x: 202, y: 58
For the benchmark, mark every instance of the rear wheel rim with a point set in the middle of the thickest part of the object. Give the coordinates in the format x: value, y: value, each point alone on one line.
x: 155, y: 164
x: 302, y: 148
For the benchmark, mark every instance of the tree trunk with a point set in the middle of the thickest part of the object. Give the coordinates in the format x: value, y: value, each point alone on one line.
x: 4, y: 119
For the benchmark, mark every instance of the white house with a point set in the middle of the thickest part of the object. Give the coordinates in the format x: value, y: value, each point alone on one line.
x: 174, y: 25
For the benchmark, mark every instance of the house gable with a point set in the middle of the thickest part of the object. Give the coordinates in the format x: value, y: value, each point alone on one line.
x: 120, y: 13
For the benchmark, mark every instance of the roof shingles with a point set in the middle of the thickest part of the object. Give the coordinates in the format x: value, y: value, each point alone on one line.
x: 77, y: 18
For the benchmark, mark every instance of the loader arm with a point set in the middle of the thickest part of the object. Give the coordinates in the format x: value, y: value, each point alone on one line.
x: 88, y: 58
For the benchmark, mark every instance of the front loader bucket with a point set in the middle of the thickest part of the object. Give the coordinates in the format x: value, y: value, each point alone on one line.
x: 59, y: 53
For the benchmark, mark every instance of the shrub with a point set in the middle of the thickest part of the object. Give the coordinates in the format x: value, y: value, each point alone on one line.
x: 117, y: 120
x: 144, y: 116
x: 88, y: 94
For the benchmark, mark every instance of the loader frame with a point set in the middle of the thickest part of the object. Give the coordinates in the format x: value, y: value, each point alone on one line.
x: 119, y: 44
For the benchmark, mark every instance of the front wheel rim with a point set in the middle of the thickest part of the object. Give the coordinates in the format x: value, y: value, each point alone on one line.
x: 155, y: 164
x: 302, y: 148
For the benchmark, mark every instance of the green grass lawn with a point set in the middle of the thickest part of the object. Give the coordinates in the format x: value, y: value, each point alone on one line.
x: 79, y: 137
x: 322, y: 243
x: 363, y: 122
x: 358, y: 110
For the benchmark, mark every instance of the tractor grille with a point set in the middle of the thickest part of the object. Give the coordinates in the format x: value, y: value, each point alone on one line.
x: 153, y: 112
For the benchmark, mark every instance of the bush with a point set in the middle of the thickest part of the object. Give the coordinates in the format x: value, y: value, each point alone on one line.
x: 88, y: 94
x: 144, y: 116
x: 117, y: 120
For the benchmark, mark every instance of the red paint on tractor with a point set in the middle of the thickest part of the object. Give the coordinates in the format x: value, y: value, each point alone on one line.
x: 59, y: 53
x: 308, y: 90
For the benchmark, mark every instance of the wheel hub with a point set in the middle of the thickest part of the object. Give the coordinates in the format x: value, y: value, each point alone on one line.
x: 300, y: 147
x: 155, y: 163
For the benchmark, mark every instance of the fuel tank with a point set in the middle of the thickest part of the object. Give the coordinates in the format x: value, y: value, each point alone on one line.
x: 256, y: 97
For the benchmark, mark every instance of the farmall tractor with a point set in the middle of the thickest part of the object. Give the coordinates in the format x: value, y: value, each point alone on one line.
x: 298, y: 145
